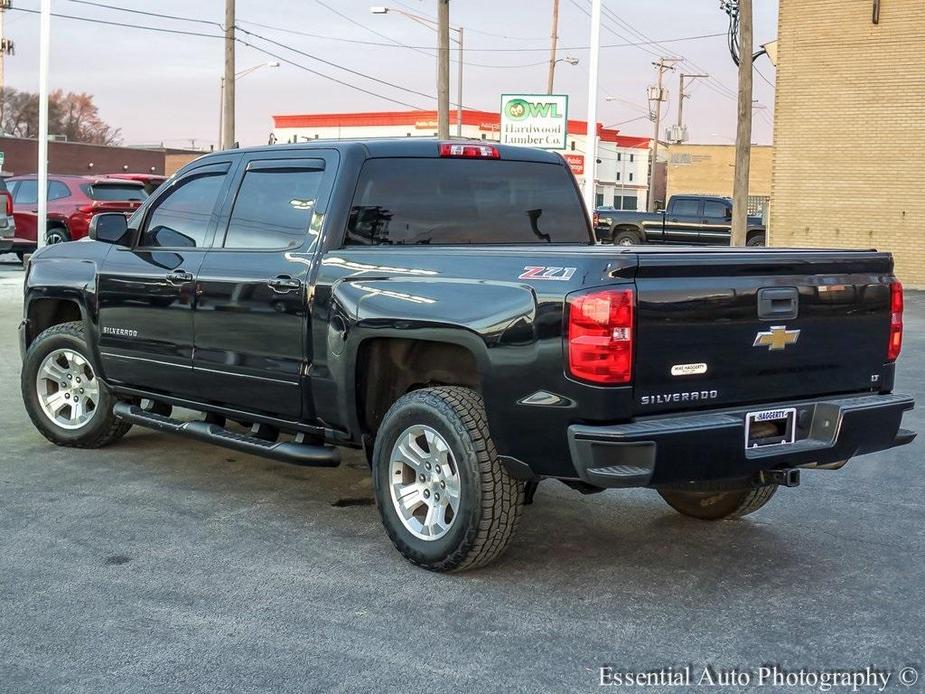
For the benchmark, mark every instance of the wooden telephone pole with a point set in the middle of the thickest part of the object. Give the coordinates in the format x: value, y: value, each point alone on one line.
x: 744, y: 127
x: 553, y: 39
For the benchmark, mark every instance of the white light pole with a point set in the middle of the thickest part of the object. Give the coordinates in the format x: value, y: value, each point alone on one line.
x: 591, y: 146
x: 44, y: 41
x: 221, y: 101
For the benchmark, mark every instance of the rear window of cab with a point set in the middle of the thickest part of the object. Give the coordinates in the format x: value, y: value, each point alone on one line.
x: 455, y: 201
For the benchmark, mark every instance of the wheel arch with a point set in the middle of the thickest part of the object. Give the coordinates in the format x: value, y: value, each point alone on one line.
x: 388, y: 367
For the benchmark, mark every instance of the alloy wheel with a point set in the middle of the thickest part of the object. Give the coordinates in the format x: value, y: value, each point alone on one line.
x: 68, y: 390
x: 424, y: 482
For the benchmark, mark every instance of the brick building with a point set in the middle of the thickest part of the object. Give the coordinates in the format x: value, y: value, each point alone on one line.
x: 709, y: 169
x: 21, y: 157
x: 849, y: 122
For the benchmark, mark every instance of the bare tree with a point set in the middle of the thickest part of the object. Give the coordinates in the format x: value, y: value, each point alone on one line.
x: 72, y: 115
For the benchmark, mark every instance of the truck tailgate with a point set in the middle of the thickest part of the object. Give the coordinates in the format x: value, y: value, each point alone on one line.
x: 734, y: 327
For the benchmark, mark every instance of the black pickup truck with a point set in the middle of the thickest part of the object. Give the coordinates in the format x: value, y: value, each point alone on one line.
x: 444, y: 307
x: 698, y: 220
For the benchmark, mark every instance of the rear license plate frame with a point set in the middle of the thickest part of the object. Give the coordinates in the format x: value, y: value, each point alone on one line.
x: 786, y: 414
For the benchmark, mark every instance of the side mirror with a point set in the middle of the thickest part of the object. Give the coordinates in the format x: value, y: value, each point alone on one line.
x: 110, y: 227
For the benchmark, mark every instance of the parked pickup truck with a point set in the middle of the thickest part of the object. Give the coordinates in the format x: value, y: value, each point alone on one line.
x: 444, y: 307
x: 689, y: 220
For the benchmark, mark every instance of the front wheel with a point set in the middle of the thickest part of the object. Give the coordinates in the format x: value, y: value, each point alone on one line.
x: 63, y: 395
x: 445, y: 500
x: 718, y: 505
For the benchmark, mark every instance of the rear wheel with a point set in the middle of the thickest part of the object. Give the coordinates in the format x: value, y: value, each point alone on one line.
x: 627, y: 237
x: 63, y: 395
x: 757, y: 240
x: 718, y: 504
x: 446, y: 502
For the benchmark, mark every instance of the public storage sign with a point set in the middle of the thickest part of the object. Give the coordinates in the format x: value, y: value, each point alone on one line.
x: 534, y: 120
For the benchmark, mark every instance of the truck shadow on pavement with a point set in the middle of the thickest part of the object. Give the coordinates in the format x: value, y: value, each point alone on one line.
x: 565, y: 541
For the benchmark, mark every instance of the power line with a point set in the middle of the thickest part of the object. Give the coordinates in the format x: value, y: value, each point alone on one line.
x: 327, y: 77
x: 335, y: 65
x: 145, y: 12
x: 125, y: 25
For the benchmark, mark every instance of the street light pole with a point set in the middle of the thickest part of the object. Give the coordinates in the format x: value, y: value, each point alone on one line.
x: 591, y: 144
x: 239, y: 75
x: 459, y: 86
x: 42, y: 206
x: 443, y: 69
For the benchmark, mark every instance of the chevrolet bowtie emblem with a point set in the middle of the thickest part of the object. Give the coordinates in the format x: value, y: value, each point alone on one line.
x: 777, y: 338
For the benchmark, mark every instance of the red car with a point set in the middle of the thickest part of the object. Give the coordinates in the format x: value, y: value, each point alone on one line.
x: 72, y: 202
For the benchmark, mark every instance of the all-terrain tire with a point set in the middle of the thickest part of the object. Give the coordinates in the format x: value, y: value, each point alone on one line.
x: 490, y: 500
x: 627, y: 237
x: 757, y: 240
x: 718, y: 504
x: 102, y: 428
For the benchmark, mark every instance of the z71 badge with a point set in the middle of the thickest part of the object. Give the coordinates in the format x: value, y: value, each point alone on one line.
x: 532, y: 272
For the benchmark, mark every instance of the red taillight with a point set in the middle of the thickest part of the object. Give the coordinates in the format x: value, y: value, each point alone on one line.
x: 448, y: 149
x: 896, y: 321
x: 600, y: 336
x: 9, y: 203
x: 595, y: 219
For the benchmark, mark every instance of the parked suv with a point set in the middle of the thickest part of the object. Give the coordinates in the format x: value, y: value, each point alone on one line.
x: 72, y: 203
x: 7, y: 226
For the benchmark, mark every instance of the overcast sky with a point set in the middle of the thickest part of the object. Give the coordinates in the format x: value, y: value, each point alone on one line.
x: 162, y: 87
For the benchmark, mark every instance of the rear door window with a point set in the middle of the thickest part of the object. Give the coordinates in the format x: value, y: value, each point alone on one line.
x: 465, y: 201
x: 715, y: 210
x: 112, y: 192
x: 274, y: 207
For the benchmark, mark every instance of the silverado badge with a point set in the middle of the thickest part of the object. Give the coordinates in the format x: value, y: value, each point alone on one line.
x: 777, y: 338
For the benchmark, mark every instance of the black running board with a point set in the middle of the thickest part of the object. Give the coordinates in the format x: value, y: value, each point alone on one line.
x: 292, y: 452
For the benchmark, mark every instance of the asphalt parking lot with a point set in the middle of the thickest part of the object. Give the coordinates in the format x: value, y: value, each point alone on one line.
x: 163, y: 565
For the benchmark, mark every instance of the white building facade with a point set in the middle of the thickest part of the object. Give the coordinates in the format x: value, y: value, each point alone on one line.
x: 622, y: 173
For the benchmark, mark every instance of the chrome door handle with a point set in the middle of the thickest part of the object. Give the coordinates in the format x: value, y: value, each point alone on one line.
x: 284, y: 284
x: 179, y: 277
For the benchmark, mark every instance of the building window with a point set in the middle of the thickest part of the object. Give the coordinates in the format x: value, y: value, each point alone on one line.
x: 599, y: 200
x: 629, y: 202
x: 483, y: 136
x: 631, y: 158
x: 619, y: 156
x: 631, y: 176
x: 573, y: 145
x: 618, y: 175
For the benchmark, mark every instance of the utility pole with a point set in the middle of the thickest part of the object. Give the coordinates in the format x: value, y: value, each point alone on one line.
x: 744, y: 127
x: 459, y: 86
x: 228, y: 83
x: 443, y: 69
x: 6, y: 46
x: 682, y: 96
x: 657, y: 94
x: 591, y: 139
x: 553, y: 39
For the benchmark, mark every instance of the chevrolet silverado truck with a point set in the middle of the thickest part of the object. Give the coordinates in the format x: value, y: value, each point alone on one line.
x: 698, y: 220
x: 443, y: 306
